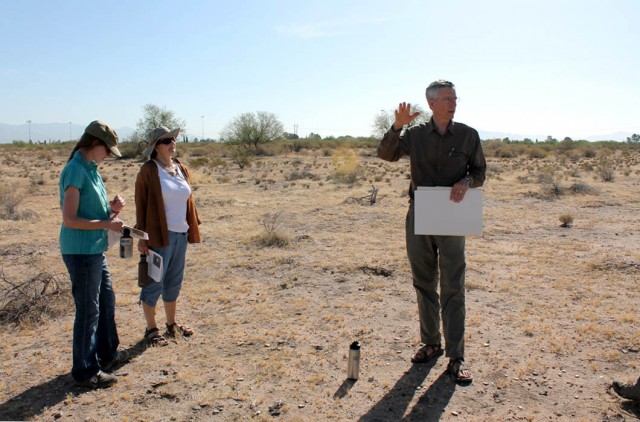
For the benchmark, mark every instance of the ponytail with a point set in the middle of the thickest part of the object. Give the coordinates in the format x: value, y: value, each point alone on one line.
x: 86, y: 141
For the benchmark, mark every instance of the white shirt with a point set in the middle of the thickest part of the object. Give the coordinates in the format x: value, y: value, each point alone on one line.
x: 175, y: 193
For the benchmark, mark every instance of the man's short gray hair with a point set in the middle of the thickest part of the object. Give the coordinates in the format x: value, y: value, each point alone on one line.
x: 435, y: 87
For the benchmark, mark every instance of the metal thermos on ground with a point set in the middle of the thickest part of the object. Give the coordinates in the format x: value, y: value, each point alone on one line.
x: 353, y: 367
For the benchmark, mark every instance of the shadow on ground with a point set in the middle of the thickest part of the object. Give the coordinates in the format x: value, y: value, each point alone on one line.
x: 631, y: 407
x: 394, y: 405
x: 33, y: 401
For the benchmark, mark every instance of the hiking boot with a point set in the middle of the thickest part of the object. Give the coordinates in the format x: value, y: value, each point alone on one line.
x: 121, y: 357
x: 99, y: 380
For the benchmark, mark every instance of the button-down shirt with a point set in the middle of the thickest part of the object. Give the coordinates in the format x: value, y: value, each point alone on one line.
x: 437, y: 160
x: 93, y: 205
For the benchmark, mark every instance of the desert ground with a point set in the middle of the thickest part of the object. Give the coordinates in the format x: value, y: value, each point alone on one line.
x: 552, y: 312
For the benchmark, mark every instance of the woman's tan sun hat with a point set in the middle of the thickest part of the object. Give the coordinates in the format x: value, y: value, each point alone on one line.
x: 158, y: 134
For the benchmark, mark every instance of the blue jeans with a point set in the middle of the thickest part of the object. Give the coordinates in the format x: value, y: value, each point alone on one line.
x: 173, y: 260
x: 95, y: 337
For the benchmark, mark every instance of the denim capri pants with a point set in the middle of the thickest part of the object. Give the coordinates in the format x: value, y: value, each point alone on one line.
x: 173, y: 261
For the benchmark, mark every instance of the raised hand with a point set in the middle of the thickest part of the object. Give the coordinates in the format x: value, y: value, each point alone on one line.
x: 404, y: 115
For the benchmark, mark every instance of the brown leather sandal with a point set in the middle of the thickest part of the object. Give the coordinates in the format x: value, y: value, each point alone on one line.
x: 154, y: 338
x: 174, y: 328
x: 426, y: 353
x: 459, y: 371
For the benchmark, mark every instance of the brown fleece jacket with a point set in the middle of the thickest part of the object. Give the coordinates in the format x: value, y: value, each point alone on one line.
x: 150, y: 214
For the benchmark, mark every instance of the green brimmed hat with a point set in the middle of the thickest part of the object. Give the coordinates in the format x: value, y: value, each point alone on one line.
x: 102, y: 131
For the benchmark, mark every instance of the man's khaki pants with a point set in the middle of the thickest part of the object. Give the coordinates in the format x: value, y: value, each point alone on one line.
x: 428, y: 256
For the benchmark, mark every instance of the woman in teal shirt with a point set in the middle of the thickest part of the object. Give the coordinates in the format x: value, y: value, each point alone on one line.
x: 86, y: 216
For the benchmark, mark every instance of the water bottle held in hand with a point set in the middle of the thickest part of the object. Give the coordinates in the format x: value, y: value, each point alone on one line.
x: 126, y: 244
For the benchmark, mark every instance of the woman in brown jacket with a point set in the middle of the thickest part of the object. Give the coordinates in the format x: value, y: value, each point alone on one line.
x: 166, y: 210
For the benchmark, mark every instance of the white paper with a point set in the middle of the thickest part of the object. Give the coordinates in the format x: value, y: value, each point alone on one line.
x: 154, y: 267
x: 137, y: 234
x: 436, y: 214
x: 113, y: 237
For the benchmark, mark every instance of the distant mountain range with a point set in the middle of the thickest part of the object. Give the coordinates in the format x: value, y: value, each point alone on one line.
x: 50, y: 132
x: 64, y: 131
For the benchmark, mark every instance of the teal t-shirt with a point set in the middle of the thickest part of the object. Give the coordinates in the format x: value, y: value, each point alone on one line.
x: 93, y: 205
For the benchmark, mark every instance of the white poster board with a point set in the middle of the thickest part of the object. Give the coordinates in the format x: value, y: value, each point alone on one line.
x: 436, y: 214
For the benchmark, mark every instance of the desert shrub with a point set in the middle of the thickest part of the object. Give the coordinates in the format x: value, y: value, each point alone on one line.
x: 10, y: 199
x: 37, y: 179
x: 130, y: 150
x: 347, y: 166
x: 217, y: 162
x: 297, y: 175
x: 273, y: 235
x: 547, y: 176
x: 28, y: 302
x: 240, y: 157
x: 554, y: 189
x: 505, y: 152
x: 536, y: 152
x: 606, y: 170
x: 581, y: 188
x: 494, y: 169
x: 566, y: 220
x: 587, y: 167
x: 550, y: 185
x: 199, y: 162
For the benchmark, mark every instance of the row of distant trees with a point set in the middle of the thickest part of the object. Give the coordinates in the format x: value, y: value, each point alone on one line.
x: 249, y: 130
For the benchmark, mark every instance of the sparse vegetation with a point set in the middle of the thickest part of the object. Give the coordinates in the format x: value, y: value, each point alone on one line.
x: 272, y: 324
x: 347, y: 166
x: 566, y: 220
x: 31, y: 301
x: 273, y: 234
x: 10, y: 200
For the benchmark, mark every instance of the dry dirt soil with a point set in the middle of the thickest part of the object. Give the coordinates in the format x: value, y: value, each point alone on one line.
x: 552, y: 312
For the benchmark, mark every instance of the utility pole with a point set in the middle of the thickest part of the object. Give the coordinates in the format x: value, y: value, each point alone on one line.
x: 29, y: 121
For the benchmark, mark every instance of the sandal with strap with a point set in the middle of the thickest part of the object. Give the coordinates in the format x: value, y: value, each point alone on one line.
x: 154, y: 338
x: 174, y: 328
x: 459, y: 371
x: 427, y: 352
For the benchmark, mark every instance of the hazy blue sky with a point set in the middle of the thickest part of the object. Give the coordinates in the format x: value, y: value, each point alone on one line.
x: 531, y: 67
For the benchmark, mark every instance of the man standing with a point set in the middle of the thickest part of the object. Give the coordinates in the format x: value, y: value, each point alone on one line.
x: 441, y: 153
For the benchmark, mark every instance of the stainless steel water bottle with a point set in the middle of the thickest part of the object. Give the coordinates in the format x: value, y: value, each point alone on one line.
x: 126, y: 244
x: 353, y: 367
x: 143, y: 271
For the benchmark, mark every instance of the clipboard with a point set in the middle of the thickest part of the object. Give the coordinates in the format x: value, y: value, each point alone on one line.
x: 437, y: 215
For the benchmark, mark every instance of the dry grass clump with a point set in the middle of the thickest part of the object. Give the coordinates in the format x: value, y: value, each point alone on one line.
x: 273, y: 235
x: 606, y: 170
x: 10, y: 199
x: 566, y: 220
x: 303, y: 174
x: 581, y: 188
x: 30, y: 301
x: 347, y: 166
